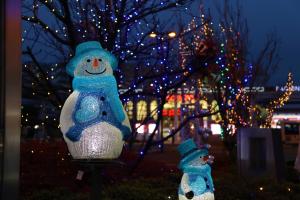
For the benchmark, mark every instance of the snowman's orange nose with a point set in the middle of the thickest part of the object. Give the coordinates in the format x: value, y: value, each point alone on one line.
x: 205, y: 158
x: 95, y: 63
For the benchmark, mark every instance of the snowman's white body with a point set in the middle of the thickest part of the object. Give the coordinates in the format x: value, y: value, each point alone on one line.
x: 205, y: 196
x: 186, y: 187
x: 100, y: 140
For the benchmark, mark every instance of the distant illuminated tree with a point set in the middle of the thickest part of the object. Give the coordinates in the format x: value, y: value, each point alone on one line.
x: 231, y: 70
x: 279, y: 102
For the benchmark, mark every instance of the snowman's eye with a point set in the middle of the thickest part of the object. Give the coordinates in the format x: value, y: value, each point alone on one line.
x: 88, y: 60
x: 100, y: 59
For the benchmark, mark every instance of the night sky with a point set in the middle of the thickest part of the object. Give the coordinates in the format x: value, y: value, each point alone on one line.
x: 282, y: 16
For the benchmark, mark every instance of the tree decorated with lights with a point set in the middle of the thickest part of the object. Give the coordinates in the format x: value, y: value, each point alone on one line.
x: 129, y: 29
x: 132, y: 30
x: 231, y: 73
x: 280, y: 102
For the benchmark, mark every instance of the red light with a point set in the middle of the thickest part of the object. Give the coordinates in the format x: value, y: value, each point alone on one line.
x: 170, y: 112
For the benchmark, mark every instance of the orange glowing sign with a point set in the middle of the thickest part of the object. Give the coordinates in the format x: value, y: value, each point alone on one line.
x: 187, y: 97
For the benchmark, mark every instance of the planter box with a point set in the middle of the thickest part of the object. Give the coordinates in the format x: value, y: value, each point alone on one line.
x: 260, y: 153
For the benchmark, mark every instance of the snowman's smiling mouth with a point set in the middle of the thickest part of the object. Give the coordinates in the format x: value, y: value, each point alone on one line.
x: 95, y: 73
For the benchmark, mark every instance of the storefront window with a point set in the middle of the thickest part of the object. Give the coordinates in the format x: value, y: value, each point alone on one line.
x: 153, y: 109
x: 215, y: 108
x: 141, y: 110
x: 203, y: 104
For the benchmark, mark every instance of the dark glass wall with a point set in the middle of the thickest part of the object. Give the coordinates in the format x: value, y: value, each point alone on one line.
x: 1, y: 90
x: 10, y: 99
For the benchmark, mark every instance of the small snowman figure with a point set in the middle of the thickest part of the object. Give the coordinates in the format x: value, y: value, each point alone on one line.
x: 93, y: 121
x: 196, y: 182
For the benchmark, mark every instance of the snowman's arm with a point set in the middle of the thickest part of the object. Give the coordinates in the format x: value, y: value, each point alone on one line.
x: 210, y: 181
x: 127, y: 128
x: 185, y: 184
x: 116, y: 106
x: 65, y: 119
x: 118, y: 110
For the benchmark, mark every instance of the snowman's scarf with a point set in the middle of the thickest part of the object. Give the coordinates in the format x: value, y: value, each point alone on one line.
x: 200, y: 169
x: 93, y: 83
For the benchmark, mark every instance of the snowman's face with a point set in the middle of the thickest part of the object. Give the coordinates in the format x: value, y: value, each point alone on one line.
x: 93, y: 65
x: 202, y: 160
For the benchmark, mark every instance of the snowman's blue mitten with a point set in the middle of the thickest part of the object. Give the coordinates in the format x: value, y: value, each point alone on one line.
x: 192, y: 177
x: 88, y: 109
x: 74, y: 134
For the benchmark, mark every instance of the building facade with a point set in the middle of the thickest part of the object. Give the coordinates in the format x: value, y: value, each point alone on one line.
x: 181, y: 103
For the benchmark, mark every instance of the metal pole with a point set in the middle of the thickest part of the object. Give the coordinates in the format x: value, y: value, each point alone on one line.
x: 12, y: 99
x: 96, y: 167
x: 96, y: 184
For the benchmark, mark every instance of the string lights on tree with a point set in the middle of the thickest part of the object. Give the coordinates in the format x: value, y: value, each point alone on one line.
x: 280, y: 102
x: 231, y: 72
x: 121, y: 29
x: 224, y: 71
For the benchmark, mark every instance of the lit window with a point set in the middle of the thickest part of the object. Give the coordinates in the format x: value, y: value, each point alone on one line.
x: 216, y: 129
x: 203, y: 104
x: 141, y: 110
x: 140, y: 129
x: 153, y: 109
x: 215, y: 108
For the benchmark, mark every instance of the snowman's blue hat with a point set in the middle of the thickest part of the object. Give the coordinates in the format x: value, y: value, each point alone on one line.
x: 90, y: 48
x: 189, y: 151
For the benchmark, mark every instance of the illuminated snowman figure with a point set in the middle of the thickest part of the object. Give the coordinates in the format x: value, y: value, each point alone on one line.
x: 93, y: 121
x: 196, y: 182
